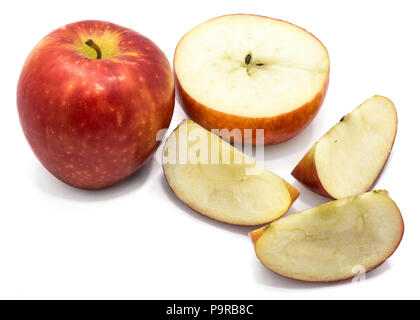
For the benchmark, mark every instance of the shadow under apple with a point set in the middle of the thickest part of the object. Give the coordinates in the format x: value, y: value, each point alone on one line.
x: 296, y: 145
x: 51, y: 185
x: 243, y: 230
x: 266, y: 277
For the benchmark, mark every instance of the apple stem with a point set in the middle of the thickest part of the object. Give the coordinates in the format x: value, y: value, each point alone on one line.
x: 94, y: 46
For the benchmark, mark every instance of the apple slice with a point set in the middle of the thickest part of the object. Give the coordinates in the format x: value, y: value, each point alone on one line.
x: 348, y: 159
x: 219, y: 181
x: 332, y: 241
x: 251, y: 72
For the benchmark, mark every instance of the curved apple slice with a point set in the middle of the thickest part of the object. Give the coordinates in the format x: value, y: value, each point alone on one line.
x: 220, y: 182
x: 330, y: 242
x: 348, y: 159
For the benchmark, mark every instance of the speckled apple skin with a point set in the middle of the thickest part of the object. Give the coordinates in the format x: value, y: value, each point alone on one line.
x: 91, y: 122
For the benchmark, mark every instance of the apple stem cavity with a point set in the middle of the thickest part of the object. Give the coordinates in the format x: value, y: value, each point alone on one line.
x: 94, y: 46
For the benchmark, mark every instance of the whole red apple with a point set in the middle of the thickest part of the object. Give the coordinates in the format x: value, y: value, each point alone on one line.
x: 92, y: 97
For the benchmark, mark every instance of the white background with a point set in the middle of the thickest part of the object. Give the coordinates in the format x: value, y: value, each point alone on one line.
x: 136, y: 240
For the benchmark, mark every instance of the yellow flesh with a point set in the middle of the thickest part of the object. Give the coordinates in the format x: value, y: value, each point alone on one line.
x: 210, y: 65
x: 331, y: 241
x: 224, y: 191
x: 351, y: 155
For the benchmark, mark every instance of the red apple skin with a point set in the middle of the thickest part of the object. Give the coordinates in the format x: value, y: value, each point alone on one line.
x: 277, y: 129
x: 93, y: 122
x: 306, y: 172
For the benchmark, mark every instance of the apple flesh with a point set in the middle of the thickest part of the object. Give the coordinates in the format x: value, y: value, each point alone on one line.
x: 251, y: 72
x: 348, y: 159
x: 218, y: 181
x: 332, y: 241
x: 91, y: 98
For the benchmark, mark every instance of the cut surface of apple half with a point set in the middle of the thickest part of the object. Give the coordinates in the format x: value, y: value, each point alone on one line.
x: 348, y: 159
x: 334, y: 241
x: 251, y: 72
x: 219, y: 181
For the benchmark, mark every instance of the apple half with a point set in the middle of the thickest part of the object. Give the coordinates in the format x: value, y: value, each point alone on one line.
x: 217, y: 180
x: 251, y: 72
x: 348, y: 159
x: 333, y: 241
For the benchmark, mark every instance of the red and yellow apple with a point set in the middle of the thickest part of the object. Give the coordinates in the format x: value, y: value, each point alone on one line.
x: 92, y: 97
x: 251, y: 72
